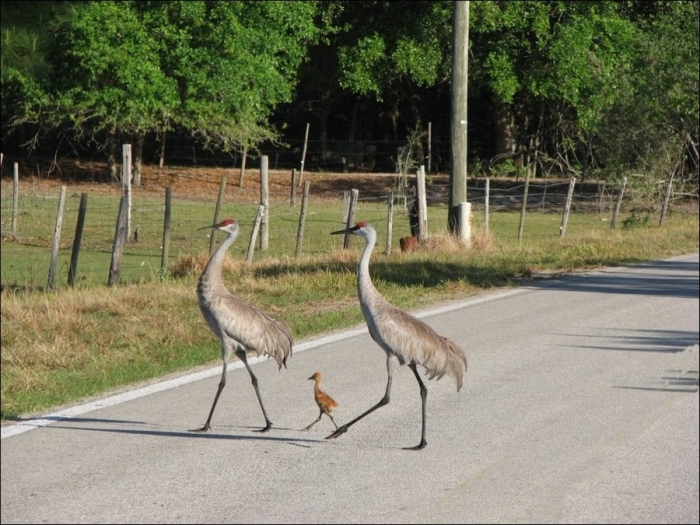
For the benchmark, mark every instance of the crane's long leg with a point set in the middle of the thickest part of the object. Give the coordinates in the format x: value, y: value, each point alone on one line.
x: 383, y: 401
x: 424, y: 398
x: 336, y: 426
x: 319, y: 419
x: 241, y: 355
x: 222, y: 384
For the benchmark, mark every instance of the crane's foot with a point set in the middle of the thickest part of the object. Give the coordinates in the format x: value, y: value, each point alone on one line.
x: 203, y: 429
x: 338, y: 432
x: 419, y: 446
x: 265, y: 428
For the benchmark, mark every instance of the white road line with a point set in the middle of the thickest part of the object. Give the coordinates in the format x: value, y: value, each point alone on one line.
x: 31, y: 424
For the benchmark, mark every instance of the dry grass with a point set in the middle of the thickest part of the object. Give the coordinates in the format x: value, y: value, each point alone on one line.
x: 62, y: 346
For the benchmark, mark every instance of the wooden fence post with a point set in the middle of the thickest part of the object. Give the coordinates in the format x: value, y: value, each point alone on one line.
x: 56, y: 238
x: 244, y: 156
x: 351, y: 216
x: 422, y: 205
x: 293, y: 195
x: 15, y: 199
x: 487, y: 196
x: 254, y: 233
x: 165, y: 249
x: 430, y: 146
x: 667, y: 196
x: 567, y: 207
x: 303, y: 155
x: 616, y: 214
x: 346, y: 205
x: 390, y: 223
x: 265, y: 201
x: 521, y: 226
x: 217, y: 211
x: 79, y: 226
x: 118, y: 245
x: 126, y: 185
x: 302, y: 219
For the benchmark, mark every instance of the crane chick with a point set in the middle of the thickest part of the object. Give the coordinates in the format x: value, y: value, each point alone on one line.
x: 326, y: 403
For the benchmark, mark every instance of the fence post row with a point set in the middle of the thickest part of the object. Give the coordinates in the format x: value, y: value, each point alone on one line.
x: 350, y: 201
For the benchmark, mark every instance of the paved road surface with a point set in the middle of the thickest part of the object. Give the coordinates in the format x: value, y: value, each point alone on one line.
x: 580, y: 406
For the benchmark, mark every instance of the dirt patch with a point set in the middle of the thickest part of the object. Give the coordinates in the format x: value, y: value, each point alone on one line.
x: 203, y: 182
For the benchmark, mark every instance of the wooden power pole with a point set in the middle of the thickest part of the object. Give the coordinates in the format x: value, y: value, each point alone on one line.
x: 458, y: 165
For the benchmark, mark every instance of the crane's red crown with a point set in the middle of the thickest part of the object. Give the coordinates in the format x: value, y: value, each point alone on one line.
x: 361, y: 224
x: 226, y: 222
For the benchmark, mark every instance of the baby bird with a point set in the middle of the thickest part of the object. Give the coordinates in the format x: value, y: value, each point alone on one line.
x: 326, y: 403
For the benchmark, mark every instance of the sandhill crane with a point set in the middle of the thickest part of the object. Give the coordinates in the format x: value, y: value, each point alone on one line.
x: 326, y: 403
x: 405, y: 339
x: 238, y: 325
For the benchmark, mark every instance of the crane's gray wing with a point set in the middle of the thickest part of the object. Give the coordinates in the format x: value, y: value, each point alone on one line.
x: 254, y: 329
x: 413, y: 341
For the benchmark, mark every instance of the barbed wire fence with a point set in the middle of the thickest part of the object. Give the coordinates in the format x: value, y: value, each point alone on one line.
x: 29, y: 223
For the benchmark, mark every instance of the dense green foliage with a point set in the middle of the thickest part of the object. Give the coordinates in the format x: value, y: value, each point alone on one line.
x: 601, y: 88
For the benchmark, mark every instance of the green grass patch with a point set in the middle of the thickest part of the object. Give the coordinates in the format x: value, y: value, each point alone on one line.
x: 63, y: 346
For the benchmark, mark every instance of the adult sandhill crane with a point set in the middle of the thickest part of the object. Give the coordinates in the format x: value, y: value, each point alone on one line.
x: 238, y: 325
x: 405, y: 339
x: 326, y: 403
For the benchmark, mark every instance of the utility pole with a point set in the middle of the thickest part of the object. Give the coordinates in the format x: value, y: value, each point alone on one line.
x: 458, y: 165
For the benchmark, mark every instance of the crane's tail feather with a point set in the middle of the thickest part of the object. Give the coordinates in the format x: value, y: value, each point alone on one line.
x: 285, y: 351
x: 452, y: 361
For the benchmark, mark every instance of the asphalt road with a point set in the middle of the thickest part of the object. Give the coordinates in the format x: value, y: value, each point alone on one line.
x: 580, y: 405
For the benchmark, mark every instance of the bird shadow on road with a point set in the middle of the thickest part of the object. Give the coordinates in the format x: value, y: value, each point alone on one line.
x: 28, y: 420
x: 190, y: 435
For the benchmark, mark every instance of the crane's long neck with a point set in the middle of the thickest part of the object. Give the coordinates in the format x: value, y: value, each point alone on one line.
x: 365, y: 288
x: 212, y: 273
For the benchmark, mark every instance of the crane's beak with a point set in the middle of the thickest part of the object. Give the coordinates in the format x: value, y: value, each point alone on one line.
x: 312, y: 377
x: 213, y: 226
x: 346, y: 230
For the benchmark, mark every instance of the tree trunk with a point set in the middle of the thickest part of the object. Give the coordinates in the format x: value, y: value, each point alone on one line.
x: 112, y: 155
x: 161, y: 160
x: 138, y: 158
x: 505, y: 129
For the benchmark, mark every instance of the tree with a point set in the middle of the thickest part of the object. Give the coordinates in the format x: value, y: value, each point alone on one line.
x: 232, y: 62
x: 107, y: 80
x: 26, y: 29
x: 653, y: 128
